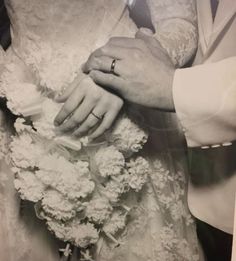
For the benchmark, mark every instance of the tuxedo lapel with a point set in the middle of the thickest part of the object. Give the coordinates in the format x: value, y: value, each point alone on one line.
x: 205, y: 23
x: 225, y: 13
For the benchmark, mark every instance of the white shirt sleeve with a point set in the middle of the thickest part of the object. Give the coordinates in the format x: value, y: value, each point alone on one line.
x: 204, y: 98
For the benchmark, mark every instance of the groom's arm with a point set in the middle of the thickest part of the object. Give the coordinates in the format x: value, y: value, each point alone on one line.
x: 205, y: 102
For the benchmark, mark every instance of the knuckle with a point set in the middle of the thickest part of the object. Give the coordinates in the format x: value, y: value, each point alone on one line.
x: 115, y: 103
x: 93, y: 61
x: 112, y: 40
x: 140, y: 43
x: 88, y: 125
x: 93, y: 74
x: 84, y: 128
x: 105, y: 128
x: 99, y: 132
x: 94, y: 97
x: 81, y: 129
x: 94, y: 135
x: 103, y: 50
x: 138, y: 54
x: 67, y: 109
x: 107, y: 101
x: 88, y: 65
x: 77, y: 133
x: 97, y: 62
x: 119, y: 104
x: 83, y: 84
x: 110, y: 78
x: 75, y: 121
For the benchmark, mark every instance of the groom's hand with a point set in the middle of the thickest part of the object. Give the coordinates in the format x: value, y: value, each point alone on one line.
x: 143, y: 72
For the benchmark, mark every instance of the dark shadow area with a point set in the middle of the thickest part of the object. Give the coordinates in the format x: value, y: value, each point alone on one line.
x: 5, y: 38
x: 141, y: 14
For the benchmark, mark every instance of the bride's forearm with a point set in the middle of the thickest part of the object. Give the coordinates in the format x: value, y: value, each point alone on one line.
x: 176, y: 28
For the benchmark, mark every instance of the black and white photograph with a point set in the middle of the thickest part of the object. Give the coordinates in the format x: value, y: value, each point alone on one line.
x: 117, y: 130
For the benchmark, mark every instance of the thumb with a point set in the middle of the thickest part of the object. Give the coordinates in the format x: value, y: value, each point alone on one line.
x: 147, y: 36
x: 144, y: 33
x: 108, y: 81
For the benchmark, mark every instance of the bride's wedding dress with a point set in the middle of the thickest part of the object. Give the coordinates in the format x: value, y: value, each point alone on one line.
x: 50, y: 41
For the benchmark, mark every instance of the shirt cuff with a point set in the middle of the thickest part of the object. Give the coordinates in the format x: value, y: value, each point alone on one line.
x: 204, y: 98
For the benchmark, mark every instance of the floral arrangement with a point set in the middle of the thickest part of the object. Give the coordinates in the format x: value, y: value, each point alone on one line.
x: 79, y: 188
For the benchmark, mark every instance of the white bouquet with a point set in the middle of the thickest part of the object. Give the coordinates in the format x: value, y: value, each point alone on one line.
x: 79, y: 189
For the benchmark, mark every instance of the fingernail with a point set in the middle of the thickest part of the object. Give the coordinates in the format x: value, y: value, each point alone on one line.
x: 57, y: 131
x: 76, y: 135
x: 57, y: 97
x: 56, y: 123
x: 91, y: 73
x: 90, y: 138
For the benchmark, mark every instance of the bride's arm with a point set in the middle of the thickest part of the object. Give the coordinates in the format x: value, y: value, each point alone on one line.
x: 175, y: 23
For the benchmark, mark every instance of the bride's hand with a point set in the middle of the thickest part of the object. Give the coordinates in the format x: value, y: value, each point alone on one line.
x: 87, y: 106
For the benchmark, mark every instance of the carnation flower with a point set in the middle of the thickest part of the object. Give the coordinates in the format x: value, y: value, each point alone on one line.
x: 20, y: 126
x: 65, y: 177
x: 109, y: 161
x: 98, y: 210
x: 115, y: 223
x: 29, y: 186
x: 138, y: 173
x: 57, y: 206
x: 82, y: 167
x: 123, y: 180
x: 18, y: 95
x: 3, y: 143
x: 56, y: 163
x: 81, y: 235
x: 71, y: 188
x: 127, y: 136
x: 59, y: 228
x: 25, y: 153
x: 113, y: 190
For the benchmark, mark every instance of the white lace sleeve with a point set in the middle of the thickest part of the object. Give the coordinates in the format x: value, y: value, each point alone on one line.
x: 175, y: 23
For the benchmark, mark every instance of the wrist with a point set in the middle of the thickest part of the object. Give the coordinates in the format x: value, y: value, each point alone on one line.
x: 166, y: 100
x: 171, y: 104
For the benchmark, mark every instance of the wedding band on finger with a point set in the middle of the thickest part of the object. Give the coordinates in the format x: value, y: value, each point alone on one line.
x: 96, y: 116
x: 113, y: 65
